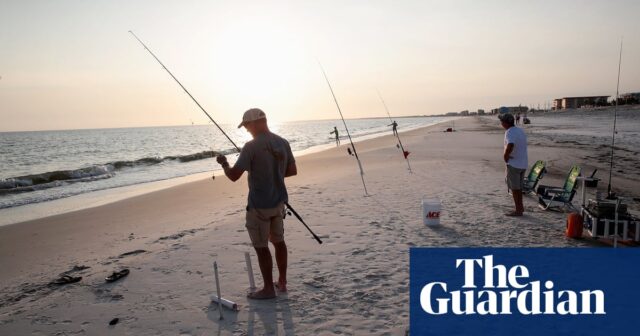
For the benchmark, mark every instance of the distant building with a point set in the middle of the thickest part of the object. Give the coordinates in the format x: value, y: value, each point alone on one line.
x: 464, y: 113
x: 630, y: 98
x: 578, y: 102
x: 480, y: 112
x: 630, y: 95
x: 452, y: 114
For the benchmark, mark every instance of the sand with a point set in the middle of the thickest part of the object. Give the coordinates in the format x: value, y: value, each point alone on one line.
x: 356, y: 283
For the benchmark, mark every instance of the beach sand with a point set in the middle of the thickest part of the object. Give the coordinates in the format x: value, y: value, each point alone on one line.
x: 356, y: 283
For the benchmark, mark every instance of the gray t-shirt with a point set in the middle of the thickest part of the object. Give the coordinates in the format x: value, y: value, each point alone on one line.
x: 266, y: 159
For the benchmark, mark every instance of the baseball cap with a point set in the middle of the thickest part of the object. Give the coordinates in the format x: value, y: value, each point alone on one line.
x: 507, y: 117
x: 252, y: 115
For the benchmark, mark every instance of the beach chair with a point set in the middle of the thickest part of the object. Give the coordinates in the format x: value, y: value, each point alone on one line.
x: 553, y: 197
x: 535, y: 175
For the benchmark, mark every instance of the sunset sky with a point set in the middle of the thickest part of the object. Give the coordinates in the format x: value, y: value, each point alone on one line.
x: 72, y: 64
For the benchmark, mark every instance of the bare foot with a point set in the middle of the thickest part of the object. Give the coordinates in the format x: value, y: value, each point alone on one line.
x: 281, y: 286
x: 262, y: 294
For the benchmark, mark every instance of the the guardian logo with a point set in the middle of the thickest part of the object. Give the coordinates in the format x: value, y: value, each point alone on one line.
x: 504, y: 292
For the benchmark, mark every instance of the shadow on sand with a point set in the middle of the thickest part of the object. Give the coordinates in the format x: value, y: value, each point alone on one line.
x: 269, y: 317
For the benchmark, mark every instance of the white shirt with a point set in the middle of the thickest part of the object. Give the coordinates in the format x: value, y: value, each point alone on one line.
x: 516, y: 136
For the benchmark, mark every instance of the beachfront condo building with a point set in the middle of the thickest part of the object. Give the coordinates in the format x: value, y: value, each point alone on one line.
x: 578, y: 102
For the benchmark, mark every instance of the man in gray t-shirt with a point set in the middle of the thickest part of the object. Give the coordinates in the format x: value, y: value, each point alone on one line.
x: 268, y: 160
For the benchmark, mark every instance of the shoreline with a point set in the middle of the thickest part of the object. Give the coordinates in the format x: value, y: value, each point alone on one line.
x: 39, y: 210
x: 68, y: 222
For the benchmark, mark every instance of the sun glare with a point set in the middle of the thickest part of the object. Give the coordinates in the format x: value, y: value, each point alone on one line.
x: 264, y: 63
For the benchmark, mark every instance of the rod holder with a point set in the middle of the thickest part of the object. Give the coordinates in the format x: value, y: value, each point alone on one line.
x: 225, y: 303
x: 247, y: 259
x: 219, y: 298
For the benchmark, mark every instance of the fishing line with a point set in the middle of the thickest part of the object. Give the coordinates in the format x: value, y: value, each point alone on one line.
x: 221, y: 130
x: 185, y: 90
x: 355, y: 153
x: 615, y: 117
x: 405, y: 154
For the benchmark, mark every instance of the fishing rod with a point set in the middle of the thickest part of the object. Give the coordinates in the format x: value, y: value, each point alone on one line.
x: 355, y: 153
x: 185, y: 90
x: 615, y: 117
x: 404, y: 153
x: 295, y: 213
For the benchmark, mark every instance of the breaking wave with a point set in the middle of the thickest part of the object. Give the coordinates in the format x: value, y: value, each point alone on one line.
x: 92, y: 173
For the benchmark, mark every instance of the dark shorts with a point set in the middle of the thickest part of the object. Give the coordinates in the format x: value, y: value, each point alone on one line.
x: 515, y: 178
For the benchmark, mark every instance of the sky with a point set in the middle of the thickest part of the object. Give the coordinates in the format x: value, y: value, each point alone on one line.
x: 72, y: 64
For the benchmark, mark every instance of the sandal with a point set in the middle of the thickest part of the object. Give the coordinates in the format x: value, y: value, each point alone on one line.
x: 65, y: 279
x: 117, y: 275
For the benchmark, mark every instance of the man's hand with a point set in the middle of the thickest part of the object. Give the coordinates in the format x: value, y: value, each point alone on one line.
x: 232, y: 173
x: 506, y: 158
x: 222, y: 160
x: 507, y: 152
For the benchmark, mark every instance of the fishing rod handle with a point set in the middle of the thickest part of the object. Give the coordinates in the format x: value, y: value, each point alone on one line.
x: 302, y: 221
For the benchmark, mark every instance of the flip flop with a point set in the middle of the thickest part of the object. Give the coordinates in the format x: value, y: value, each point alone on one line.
x: 117, y: 275
x: 65, y: 279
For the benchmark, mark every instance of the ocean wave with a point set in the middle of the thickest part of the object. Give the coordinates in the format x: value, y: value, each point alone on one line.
x: 92, y: 173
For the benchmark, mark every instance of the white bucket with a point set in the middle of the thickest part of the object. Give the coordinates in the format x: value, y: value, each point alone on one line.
x: 431, y: 211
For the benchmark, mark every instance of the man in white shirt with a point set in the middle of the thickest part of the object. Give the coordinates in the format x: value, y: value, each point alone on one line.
x: 515, y: 156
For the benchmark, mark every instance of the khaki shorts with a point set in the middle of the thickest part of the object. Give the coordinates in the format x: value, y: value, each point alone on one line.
x: 515, y: 178
x: 265, y: 225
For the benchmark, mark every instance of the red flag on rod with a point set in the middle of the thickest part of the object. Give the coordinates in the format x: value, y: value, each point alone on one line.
x: 406, y: 153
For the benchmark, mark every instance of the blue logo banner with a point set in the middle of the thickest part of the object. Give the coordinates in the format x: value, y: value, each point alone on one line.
x: 524, y: 291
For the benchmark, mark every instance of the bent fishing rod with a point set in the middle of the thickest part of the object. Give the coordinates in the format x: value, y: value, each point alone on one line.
x: 404, y: 153
x: 355, y: 153
x: 289, y: 207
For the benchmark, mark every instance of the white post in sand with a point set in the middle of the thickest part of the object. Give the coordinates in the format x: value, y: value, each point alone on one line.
x: 247, y: 258
x: 215, y: 270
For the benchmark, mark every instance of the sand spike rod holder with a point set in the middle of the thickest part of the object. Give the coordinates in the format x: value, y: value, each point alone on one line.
x: 221, y: 130
x: 247, y: 259
x: 222, y: 302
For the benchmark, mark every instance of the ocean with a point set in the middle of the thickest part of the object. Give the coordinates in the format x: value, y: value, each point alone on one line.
x: 45, y: 166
